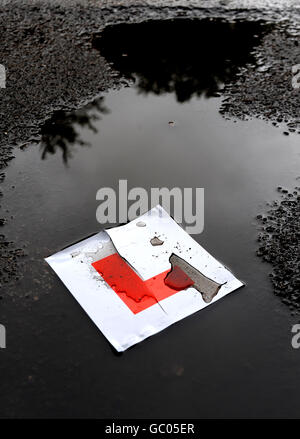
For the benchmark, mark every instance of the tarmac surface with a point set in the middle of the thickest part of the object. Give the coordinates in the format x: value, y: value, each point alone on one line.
x: 52, y: 64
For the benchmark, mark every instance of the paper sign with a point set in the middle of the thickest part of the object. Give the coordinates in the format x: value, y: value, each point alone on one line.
x: 137, y: 279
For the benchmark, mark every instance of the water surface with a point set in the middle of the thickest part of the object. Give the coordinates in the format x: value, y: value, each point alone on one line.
x: 232, y: 359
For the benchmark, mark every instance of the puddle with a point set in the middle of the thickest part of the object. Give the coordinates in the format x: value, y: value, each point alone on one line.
x: 126, y: 134
x: 239, y: 164
x: 185, y: 57
x: 62, y: 131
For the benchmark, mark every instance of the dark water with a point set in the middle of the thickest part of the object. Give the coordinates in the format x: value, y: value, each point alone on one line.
x: 185, y: 57
x: 232, y: 359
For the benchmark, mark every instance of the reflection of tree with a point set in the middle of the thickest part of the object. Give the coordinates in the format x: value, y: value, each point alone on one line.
x: 187, y: 57
x: 63, y: 129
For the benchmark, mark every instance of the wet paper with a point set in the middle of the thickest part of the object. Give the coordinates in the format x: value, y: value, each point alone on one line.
x: 133, y: 289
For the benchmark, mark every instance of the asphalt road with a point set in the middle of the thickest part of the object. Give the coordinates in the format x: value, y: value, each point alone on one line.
x: 51, y: 368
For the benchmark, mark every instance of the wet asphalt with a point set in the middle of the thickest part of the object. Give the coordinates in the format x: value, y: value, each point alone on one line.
x: 50, y: 368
